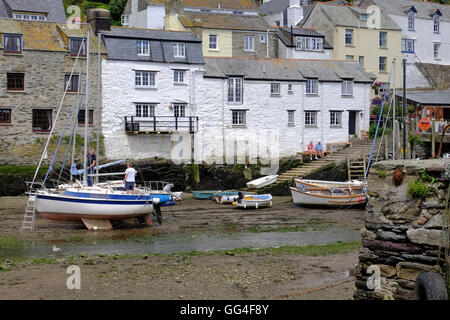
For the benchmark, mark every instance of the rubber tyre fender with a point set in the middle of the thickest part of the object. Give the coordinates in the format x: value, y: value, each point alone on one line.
x: 157, y: 213
x: 430, y: 286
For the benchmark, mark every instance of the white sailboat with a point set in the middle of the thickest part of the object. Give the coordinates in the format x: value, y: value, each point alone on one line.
x: 95, y: 205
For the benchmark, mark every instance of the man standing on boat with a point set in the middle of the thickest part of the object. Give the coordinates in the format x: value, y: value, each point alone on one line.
x: 129, y: 179
x: 90, y: 163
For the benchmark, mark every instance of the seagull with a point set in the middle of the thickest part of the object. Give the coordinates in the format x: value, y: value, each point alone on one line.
x: 55, y: 249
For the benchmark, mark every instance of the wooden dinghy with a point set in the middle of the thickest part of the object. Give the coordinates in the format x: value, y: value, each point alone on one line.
x: 303, y: 184
x: 254, y: 201
x: 262, y: 182
x: 322, y: 197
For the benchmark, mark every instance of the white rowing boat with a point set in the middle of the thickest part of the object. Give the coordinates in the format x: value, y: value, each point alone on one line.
x: 323, y: 184
x: 254, y: 201
x: 338, y: 197
x: 262, y: 182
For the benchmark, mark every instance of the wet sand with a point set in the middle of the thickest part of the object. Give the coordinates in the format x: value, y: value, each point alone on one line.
x: 238, y: 275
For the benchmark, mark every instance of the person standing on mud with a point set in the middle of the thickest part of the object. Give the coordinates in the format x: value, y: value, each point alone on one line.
x: 129, y: 179
x: 90, y: 164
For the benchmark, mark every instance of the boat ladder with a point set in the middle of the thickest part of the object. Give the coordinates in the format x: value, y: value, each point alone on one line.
x: 30, y: 212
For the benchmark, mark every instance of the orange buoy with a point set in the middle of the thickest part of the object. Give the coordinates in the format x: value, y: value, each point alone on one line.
x: 425, y: 124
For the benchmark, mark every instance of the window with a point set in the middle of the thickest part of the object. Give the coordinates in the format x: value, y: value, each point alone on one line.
x: 436, y: 47
x: 143, y: 47
x: 235, y: 89
x: 382, y: 64
x: 145, y: 79
x: 145, y: 110
x: 33, y: 17
x: 275, y: 88
x: 72, y: 84
x: 12, y: 43
x: 289, y: 87
x: 42, y: 120
x: 437, y: 21
x: 311, y: 86
x: 179, y: 50
x: 347, y: 88
x: 179, y: 76
x: 179, y: 110
x: 82, y: 117
x: 383, y: 39
x: 363, y: 16
x: 361, y: 61
x: 348, y: 57
x: 262, y: 39
x: 213, y: 43
x: 336, y: 119
x: 310, y: 118
x: 15, y: 81
x: 407, y: 45
x: 238, y: 117
x: 249, y: 43
x: 5, y: 115
x: 348, y: 37
x: 291, y: 117
x: 411, y: 20
x: 77, y: 45
x: 125, y: 19
x: 309, y: 44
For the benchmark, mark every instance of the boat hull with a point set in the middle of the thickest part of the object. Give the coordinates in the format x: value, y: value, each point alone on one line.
x: 320, y: 184
x: 254, y: 201
x: 262, y: 182
x: 67, y: 208
x: 307, y: 198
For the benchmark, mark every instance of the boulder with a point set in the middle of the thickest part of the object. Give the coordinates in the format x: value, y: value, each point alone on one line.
x: 410, y: 270
x: 425, y: 236
x: 366, y: 234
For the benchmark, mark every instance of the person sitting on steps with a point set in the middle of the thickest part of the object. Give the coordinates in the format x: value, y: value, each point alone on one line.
x: 312, y: 150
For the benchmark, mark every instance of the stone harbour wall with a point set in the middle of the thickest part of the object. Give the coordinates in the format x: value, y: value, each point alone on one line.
x: 403, y: 227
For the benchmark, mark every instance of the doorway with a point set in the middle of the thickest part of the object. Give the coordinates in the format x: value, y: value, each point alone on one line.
x: 351, y: 123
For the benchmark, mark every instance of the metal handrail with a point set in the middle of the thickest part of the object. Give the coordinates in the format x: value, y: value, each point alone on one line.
x: 160, y: 123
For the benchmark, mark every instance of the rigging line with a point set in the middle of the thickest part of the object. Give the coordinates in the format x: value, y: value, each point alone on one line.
x: 429, y: 75
x: 378, y: 125
x: 57, y: 115
x: 384, y: 129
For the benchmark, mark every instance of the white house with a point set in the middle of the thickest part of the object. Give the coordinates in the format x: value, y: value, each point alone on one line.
x: 298, y: 43
x: 161, y: 98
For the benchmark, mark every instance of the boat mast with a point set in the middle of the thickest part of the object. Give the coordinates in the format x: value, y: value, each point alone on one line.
x: 393, y: 113
x: 99, y: 38
x: 86, y: 110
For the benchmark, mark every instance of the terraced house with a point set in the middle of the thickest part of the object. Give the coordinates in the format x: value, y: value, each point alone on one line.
x: 37, y: 59
x: 33, y: 10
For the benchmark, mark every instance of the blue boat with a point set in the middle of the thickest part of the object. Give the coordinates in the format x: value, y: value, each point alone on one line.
x: 204, y: 195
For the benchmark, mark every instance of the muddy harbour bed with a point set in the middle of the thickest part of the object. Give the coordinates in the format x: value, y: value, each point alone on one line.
x: 203, y: 250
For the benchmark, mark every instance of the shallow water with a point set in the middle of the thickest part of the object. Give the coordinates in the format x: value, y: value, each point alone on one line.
x: 188, y: 242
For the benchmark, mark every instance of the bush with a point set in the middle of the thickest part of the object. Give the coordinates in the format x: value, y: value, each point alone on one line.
x: 418, y: 189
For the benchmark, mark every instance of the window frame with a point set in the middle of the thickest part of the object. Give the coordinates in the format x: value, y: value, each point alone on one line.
x: 82, y: 117
x: 336, y: 121
x: 140, y: 48
x: 385, y: 64
x: 13, y: 36
x: 438, y: 51
x: 274, y: 85
x: 262, y: 39
x: 346, y: 84
x: 145, y: 110
x: 349, y: 32
x: 8, y: 81
x: 241, y: 118
x: 179, y: 49
x: 9, y: 113
x: 405, y: 41
x: 151, y: 76
x: 33, y: 126
x: 216, y: 37
x: 180, y: 109
x: 291, y: 117
x: 247, y: 43
x: 177, y: 78
x: 411, y: 21
x: 310, y: 119
x: 383, y: 42
x: 233, y: 91
x: 82, y: 43
x: 436, y: 23
x: 312, y: 84
x: 70, y: 87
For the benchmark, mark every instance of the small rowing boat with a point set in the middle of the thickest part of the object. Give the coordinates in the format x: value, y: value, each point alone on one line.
x: 204, y: 195
x: 254, y: 201
x: 322, y: 184
x: 262, y: 182
x: 329, y: 197
x: 229, y: 197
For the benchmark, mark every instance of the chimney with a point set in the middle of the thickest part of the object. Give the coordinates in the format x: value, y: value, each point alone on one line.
x: 294, y: 13
x: 100, y: 20
x: 174, y: 6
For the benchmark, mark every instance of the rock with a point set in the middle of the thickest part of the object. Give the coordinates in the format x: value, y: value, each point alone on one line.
x: 420, y: 257
x: 394, y: 227
x: 427, y: 215
x: 387, y: 271
x: 420, y: 221
x: 403, y: 294
x: 437, y: 221
x: 425, y: 236
x: 410, y: 270
x: 389, y: 246
x: 83, y: 255
x: 388, y: 235
x: 406, y: 284
x: 366, y: 234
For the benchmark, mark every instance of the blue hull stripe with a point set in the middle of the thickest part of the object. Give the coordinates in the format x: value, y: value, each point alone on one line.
x: 162, y: 197
x: 95, y: 201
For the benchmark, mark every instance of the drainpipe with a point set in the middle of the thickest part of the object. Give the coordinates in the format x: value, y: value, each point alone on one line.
x: 267, y: 44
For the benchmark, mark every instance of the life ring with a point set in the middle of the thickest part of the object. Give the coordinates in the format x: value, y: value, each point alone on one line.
x: 425, y: 124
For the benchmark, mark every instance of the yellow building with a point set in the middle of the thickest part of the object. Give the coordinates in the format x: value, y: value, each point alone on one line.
x: 370, y: 37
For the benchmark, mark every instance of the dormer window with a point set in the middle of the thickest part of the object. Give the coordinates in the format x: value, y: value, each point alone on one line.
x: 143, y: 47
x: 31, y: 16
x: 12, y: 43
x: 411, y: 17
x: 78, y: 45
x: 437, y: 23
x: 179, y: 50
x: 363, y: 16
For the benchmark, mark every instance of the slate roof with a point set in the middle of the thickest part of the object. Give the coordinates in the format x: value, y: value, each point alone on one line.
x: 284, y: 34
x: 53, y: 8
x: 428, y: 97
x: 348, y: 16
x: 424, y: 9
x: 121, y: 45
x: 285, y: 69
x: 223, y: 21
x: 213, y: 4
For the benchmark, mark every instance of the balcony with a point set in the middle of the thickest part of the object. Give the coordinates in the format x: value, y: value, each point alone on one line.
x: 161, y: 124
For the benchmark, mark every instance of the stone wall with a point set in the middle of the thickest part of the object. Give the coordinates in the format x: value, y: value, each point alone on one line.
x: 260, y: 48
x: 402, y: 230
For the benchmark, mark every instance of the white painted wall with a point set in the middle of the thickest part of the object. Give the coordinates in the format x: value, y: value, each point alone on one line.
x: 155, y: 16
x: 271, y: 18
x: 424, y: 38
x: 291, y: 53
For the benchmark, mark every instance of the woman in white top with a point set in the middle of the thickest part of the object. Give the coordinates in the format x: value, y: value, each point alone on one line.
x: 129, y: 179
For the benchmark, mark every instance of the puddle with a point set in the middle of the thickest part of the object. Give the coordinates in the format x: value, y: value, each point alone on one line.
x: 186, y: 243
